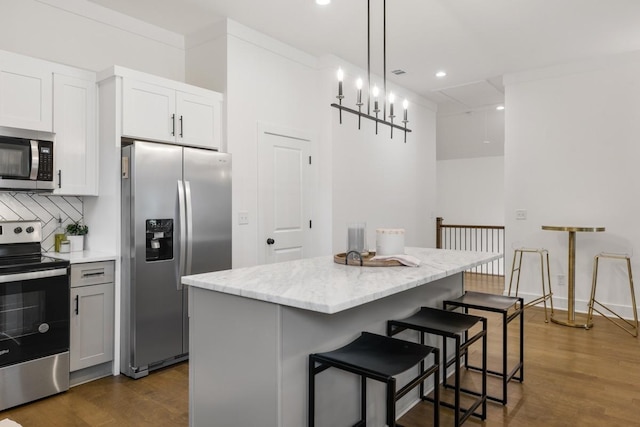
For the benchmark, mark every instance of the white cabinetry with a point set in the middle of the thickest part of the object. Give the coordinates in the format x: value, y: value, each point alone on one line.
x: 45, y: 100
x: 92, y: 314
x: 171, y: 112
x: 25, y: 93
x: 74, y: 123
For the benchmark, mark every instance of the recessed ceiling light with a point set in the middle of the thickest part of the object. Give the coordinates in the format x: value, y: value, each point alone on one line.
x: 500, y: 107
x: 486, y: 141
x: 323, y: 2
x: 441, y: 74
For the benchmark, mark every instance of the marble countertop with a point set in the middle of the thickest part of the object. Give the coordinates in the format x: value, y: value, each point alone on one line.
x: 82, y: 256
x: 321, y: 285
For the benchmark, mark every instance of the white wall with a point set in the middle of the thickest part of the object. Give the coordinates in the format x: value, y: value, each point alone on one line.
x: 463, y: 135
x: 571, y: 158
x: 471, y: 191
x: 85, y: 35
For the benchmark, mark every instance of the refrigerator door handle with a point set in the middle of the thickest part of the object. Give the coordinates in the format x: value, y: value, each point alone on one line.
x: 183, y: 233
x: 189, y: 212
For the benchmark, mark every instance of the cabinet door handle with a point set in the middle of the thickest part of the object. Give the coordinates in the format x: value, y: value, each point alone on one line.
x: 59, y: 178
x: 77, y: 304
x: 173, y: 125
x: 181, y: 127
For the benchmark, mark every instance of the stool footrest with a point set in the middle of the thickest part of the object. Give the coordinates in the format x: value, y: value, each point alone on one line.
x: 466, y: 412
x: 632, y: 327
x: 509, y: 377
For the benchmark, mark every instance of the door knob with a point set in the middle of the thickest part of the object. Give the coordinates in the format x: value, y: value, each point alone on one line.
x: 270, y: 241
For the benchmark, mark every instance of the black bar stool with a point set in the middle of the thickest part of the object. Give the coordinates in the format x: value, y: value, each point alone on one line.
x: 496, y: 304
x: 379, y: 358
x: 451, y: 325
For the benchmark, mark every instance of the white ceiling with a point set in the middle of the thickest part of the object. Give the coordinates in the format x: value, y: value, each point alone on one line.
x: 475, y: 41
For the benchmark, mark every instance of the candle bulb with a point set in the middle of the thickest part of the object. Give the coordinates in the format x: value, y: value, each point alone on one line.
x: 340, y: 79
x: 405, y: 105
x: 359, y: 87
x: 375, y: 92
x: 392, y: 99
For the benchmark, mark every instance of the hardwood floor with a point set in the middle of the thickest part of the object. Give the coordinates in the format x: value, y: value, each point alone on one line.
x: 572, y: 377
x: 161, y: 399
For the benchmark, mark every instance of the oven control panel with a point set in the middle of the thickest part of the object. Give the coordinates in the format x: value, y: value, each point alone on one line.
x: 20, y: 232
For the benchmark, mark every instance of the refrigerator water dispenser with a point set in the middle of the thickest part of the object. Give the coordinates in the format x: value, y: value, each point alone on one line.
x: 159, y: 239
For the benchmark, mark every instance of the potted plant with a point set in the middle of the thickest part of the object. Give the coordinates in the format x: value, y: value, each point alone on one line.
x: 75, y: 235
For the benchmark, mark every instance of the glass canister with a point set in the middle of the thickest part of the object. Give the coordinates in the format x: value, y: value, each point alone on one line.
x: 357, y: 237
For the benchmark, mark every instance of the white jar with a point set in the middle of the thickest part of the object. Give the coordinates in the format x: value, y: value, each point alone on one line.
x: 390, y: 241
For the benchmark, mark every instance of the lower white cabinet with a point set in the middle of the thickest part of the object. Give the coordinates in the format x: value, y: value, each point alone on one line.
x: 92, y: 314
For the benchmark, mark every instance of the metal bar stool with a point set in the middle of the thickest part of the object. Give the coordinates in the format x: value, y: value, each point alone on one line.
x: 379, y: 358
x: 451, y: 325
x: 624, y: 324
x: 544, y: 261
x: 496, y: 304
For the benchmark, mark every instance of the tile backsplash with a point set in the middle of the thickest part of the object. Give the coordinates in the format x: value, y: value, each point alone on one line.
x: 29, y: 206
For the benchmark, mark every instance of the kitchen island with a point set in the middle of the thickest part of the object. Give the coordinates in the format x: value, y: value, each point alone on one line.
x: 251, y: 331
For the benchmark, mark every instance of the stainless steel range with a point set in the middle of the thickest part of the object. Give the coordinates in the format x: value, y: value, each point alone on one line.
x: 34, y: 317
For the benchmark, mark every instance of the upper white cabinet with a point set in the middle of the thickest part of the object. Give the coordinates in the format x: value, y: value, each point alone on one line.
x: 199, y: 119
x: 26, y: 89
x: 171, y: 112
x: 58, y: 103
x: 74, y: 123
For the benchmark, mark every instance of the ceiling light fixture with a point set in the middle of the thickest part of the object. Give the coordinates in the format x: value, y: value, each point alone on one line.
x: 323, y: 2
x: 500, y: 107
x: 441, y: 74
x: 374, y: 91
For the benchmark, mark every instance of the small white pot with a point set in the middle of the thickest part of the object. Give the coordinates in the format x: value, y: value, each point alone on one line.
x: 76, y: 242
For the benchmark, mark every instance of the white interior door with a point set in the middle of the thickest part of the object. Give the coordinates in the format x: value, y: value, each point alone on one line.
x: 284, y: 213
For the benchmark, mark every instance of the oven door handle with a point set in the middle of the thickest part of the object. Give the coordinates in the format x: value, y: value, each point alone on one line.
x: 6, y: 278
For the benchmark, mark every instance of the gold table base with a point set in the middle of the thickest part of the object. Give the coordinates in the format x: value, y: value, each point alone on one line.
x: 573, y: 323
x: 571, y: 279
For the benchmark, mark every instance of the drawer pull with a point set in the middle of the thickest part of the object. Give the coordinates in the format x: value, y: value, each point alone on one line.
x: 94, y: 273
x: 77, y: 304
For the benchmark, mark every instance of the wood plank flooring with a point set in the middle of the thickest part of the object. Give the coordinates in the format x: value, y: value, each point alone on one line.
x: 573, y: 377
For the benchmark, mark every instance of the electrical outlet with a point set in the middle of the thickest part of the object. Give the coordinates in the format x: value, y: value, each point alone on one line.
x: 562, y: 280
x: 521, y: 214
x: 243, y: 218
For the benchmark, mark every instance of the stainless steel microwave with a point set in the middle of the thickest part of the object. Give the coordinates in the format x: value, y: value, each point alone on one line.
x: 26, y: 164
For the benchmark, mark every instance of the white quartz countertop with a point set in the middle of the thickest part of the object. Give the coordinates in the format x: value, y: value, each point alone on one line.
x: 82, y: 256
x: 321, y: 285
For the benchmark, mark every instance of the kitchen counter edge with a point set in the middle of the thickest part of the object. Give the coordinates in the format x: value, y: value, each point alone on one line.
x: 82, y: 257
x: 318, y: 284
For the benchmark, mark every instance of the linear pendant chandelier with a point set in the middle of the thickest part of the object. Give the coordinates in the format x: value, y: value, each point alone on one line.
x: 374, y: 91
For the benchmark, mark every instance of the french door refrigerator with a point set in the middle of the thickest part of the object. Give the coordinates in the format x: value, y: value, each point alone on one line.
x: 176, y: 221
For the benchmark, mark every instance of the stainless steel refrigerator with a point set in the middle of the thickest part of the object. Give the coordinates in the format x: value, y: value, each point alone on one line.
x: 176, y: 221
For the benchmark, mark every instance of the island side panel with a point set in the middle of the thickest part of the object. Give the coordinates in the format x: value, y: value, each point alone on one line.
x: 337, y: 393
x: 234, y: 357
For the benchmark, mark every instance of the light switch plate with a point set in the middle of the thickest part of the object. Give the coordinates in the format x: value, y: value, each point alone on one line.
x: 243, y: 218
x: 521, y: 214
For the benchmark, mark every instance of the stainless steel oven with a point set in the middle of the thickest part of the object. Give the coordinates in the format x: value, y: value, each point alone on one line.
x: 26, y: 164
x: 34, y: 317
